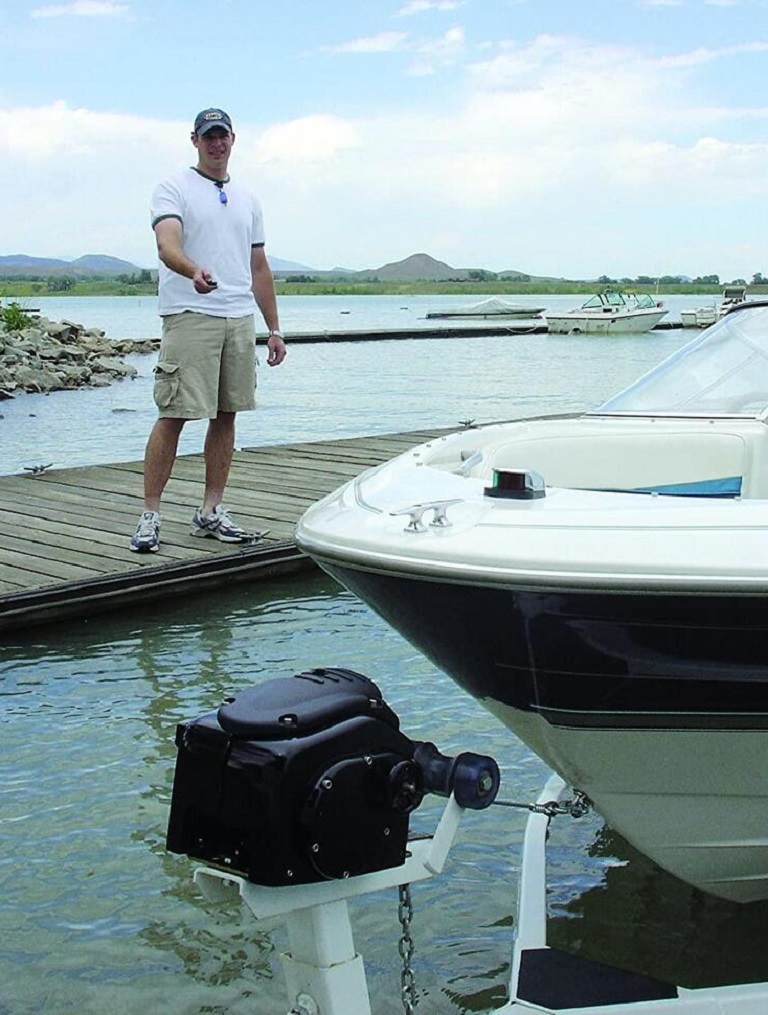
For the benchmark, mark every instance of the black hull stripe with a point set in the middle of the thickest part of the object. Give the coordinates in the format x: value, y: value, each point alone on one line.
x: 586, y: 659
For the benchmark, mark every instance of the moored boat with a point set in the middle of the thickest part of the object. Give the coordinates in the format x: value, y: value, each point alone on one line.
x: 609, y: 313
x: 699, y: 317
x: 490, y: 308
x: 733, y: 296
x: 614, y: 613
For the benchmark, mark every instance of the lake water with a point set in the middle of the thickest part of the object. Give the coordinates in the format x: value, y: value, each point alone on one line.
x: 339, y: 389
x: 96, y: 916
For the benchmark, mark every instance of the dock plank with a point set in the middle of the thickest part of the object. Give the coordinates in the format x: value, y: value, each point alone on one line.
x: 73, y: 559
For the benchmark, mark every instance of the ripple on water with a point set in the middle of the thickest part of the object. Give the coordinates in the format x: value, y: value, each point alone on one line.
x: 91, y: 900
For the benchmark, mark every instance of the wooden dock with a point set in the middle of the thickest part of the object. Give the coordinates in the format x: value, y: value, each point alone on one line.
x: 508, y: 327
x: 69, y: 554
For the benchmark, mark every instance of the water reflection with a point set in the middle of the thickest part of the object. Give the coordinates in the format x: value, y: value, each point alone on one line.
x: 96, y: 915
x: 89, y: 898
x: 680, y: 934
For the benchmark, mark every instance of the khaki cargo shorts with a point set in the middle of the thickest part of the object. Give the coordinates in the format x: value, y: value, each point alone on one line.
x: 207, y: 365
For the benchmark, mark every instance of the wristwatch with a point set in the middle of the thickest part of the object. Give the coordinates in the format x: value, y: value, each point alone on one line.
x: 276, y: 333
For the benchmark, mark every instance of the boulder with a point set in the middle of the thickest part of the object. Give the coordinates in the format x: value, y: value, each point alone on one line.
x: 58, y: 355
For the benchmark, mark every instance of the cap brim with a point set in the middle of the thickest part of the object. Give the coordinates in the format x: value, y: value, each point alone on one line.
x: 205, y: 127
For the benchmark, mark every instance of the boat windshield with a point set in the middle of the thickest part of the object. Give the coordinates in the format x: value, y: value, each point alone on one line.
x: 613, y: 298
x: 607, y: 298
x: 723, y: 371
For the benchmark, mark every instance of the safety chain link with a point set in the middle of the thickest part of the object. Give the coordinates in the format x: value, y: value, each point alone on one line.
x: 577, y: 807
x: 406, y: 949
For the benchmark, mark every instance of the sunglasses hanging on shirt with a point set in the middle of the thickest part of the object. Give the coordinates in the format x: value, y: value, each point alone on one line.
x: 222, y: 193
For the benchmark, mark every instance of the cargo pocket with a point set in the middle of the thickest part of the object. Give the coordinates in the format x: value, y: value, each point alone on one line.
x: 166, y: 384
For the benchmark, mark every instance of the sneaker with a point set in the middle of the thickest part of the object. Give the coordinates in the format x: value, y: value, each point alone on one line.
x: 221, y: 526
x: 146, y: 538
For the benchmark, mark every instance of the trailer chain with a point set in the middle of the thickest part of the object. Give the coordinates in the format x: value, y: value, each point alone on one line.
x: 406, y: 949
x: 577, y: 807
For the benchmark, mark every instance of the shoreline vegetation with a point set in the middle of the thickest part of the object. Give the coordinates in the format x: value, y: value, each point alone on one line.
x: 28, y: 292
x: 420, y: 274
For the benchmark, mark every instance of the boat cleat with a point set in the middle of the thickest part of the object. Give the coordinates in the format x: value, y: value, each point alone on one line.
x: 417, y: 512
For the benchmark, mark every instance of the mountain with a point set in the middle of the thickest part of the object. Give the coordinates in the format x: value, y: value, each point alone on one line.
x: 86, y: 266
x: 278, y: 264
x: 19, y: 264
x: 417, y: 267
x: 103, y: 263
x: 424, y: 268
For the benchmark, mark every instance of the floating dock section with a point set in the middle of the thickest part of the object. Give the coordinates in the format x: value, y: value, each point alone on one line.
x: 59, y: 567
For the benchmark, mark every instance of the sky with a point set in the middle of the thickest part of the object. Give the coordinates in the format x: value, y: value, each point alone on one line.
x: 565, y: 138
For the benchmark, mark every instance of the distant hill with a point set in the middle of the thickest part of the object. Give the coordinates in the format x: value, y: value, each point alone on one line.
x: 102, y: 264
x: 87, y: 265
x: 278, y: 264
x: 424, y: 268
x: 416, y: 268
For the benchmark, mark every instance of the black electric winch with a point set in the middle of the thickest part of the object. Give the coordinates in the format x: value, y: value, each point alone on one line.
x: 307, y: 778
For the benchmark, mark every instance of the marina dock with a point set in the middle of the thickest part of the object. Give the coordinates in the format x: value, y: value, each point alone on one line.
x: 71, y: 558
x: 508, y: 327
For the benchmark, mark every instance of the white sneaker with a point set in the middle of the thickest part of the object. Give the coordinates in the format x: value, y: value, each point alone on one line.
x: 221, y: 525
x: 146, y: 538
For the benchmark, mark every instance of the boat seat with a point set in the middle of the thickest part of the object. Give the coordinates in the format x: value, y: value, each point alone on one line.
x: 679, y: 464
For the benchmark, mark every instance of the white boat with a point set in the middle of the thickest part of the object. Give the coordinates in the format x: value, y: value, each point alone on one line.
x: 490, y: 308
x: 609, y: 313
x: 699, y: 317
x: 704, y: 316
x: 614, y: 613
x: 733, y: 295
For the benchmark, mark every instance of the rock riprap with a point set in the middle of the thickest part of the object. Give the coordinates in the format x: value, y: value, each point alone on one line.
x: 59, y: 355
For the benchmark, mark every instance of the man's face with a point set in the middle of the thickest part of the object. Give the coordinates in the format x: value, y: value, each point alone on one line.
x: 214, y: 144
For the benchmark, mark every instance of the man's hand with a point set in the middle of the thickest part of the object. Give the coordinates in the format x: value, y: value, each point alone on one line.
x: 203, y: 281
x: 277, y: 351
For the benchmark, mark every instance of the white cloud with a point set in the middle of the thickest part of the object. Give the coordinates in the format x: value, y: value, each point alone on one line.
x: 384, y: 42
x: 428, y: 55
x: 36, y: 134
x: 87, y: 175
x: 598, y: 146
x: 419, y: 6
x: 82, y: 9
x: 703, y: 55
x: 308, y: 139
x: 558, y: 137
x: 431, y: 56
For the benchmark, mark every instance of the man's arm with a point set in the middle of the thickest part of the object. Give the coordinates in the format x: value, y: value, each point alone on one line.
x: 170, y: 236
x: 263, y: 288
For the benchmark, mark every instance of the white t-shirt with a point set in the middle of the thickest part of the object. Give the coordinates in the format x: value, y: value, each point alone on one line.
x: 216, y: 236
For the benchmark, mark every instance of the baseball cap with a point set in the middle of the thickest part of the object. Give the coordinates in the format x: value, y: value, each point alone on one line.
x: 209, y: 118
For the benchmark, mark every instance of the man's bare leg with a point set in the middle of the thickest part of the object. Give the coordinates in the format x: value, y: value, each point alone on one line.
x: 218, y: 450
x: 159, y: 458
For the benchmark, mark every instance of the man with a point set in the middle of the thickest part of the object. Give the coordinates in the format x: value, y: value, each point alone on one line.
x: 213, y: 274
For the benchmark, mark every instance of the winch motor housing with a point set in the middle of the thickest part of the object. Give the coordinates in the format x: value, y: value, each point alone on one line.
x: 308, y: 778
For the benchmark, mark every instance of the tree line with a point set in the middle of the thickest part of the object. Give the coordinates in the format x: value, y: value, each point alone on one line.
x: 757, y: 279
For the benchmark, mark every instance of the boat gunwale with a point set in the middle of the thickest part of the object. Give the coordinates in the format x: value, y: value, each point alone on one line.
x: 525, y: 580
